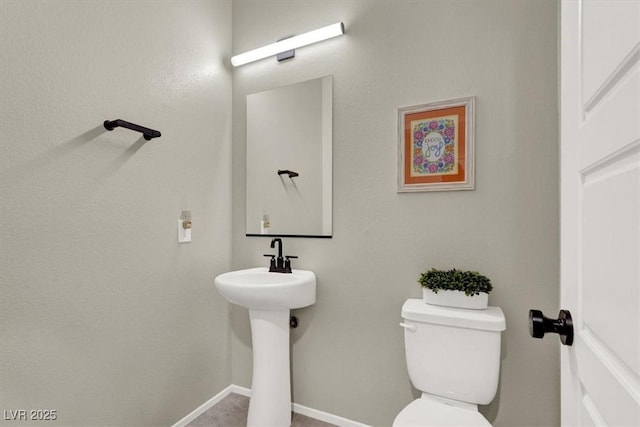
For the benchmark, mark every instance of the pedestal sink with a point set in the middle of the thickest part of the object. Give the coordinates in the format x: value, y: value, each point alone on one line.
x: 269, y: 298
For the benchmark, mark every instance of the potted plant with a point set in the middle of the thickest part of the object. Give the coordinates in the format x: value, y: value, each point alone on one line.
x: 455, y: 288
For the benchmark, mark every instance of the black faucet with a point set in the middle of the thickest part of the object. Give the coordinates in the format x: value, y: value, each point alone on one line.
x: 273, y: 245
x: 280, y: 264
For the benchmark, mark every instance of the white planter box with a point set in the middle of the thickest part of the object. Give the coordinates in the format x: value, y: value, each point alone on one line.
x: 455, y: 299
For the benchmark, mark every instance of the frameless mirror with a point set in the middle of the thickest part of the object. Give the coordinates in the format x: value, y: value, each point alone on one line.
x: 289, y: 160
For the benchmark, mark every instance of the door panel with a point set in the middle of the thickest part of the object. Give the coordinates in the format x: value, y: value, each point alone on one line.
x: 606, y: 26
x: 604, y: 382
x: 600, y: 211
x: 610, y: 230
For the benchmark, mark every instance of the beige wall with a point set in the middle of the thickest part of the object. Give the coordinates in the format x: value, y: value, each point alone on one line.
x: 348, y: 356
x: 104, y: 317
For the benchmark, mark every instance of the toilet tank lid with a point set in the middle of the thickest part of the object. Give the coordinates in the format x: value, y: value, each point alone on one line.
x: 490, y: 319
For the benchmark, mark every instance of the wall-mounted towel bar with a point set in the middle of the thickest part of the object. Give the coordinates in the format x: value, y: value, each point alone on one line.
x: 288, y: 172
x: 148, y: 133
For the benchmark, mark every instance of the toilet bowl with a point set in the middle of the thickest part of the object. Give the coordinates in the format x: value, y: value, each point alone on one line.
x: 430, y: 412
x: 453, y: 358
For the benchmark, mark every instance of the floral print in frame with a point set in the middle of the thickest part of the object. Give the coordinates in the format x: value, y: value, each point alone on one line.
x: 435, y: 150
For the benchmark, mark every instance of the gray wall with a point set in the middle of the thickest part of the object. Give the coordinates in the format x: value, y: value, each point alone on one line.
x: 348, y: 356
x: 104, y: 317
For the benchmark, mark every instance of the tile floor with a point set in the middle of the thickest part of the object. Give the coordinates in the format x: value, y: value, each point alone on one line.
x: 232, y: 412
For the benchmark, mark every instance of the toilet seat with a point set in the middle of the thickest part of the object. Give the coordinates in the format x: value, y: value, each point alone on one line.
x: 430, y: 413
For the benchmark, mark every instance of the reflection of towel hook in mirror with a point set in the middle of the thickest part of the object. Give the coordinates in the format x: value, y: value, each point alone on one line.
x: 288, y: 172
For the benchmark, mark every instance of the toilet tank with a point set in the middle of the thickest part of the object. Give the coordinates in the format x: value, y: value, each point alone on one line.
x: 453, y: 352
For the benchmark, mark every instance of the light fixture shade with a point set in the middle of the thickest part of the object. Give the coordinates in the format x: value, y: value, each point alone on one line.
x: 291, y: 43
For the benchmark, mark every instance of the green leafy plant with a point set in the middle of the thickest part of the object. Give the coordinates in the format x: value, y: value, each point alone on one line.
x: 469, y: 282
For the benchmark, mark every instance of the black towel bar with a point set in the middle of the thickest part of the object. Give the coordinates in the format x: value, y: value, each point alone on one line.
x: 147, y: 133
x: 288, y: 172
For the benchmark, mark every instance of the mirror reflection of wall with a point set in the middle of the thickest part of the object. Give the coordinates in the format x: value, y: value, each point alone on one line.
x: 290, y: 129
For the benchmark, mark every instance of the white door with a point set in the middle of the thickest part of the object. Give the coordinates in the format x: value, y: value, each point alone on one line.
x: 600, y: 211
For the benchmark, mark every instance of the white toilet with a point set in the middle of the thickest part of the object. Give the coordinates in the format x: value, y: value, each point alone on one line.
x: 453, y: 357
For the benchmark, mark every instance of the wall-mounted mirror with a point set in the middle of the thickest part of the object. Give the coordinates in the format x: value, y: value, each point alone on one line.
x: 289, y: 160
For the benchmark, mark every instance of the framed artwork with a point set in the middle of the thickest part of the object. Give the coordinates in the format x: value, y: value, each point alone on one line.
x: 435, y: 146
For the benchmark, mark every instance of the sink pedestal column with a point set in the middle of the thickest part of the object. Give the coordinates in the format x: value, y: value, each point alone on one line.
x: 270, y: 403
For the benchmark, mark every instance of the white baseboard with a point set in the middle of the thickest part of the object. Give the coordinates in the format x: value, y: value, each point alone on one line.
x: 297, y: 408
x: 204, y: 407
x: 326, y: 417
x: 240, y: 390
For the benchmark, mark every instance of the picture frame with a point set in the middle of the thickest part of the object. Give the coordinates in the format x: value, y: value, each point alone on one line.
x: 436, y: 146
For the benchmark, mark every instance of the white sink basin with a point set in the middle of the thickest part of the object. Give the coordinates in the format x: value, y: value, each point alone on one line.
x: 269, y: 297
x: 256, y: 288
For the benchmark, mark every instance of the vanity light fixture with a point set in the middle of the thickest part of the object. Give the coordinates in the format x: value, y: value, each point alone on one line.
x: 289, y: 44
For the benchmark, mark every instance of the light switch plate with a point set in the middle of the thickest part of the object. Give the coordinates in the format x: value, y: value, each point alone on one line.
x: 184, y: 235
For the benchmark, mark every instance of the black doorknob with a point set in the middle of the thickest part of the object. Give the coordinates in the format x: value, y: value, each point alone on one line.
x: 563, y: 325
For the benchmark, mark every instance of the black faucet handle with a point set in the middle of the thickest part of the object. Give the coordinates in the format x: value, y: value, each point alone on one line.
x: 287, y: 262
x: 272, y: 263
